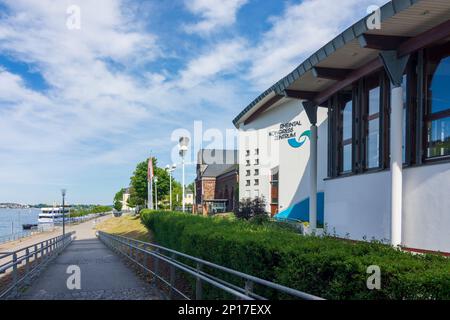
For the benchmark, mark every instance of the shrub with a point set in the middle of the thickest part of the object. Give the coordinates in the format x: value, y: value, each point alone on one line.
x: 249, y: 208
x: 327, y: 267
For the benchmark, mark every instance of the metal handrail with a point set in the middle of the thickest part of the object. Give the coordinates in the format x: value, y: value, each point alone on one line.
x: 35, y: 257
x: 19, y: 235
x: 160, y: 253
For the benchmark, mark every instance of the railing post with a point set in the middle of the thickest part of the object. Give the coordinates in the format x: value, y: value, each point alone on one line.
x: 15, y: 275
x: 156, y: 268
x: 172, y: 277
x: 198, y: 284
x: 248, y: 287
x: 35, y: 252
x: 145, y: 256
x: 27, y: 264
x: 42, y: 249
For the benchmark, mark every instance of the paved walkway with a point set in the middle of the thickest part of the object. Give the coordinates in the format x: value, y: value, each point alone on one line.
x: 103, y: 274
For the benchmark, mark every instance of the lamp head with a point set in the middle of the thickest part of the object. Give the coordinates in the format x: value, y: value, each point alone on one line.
x: 63, y: 192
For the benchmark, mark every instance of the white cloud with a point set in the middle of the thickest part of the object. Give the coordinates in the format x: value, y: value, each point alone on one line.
x: 214, y: 14
x: 224, y: 58
x: 302, y: 29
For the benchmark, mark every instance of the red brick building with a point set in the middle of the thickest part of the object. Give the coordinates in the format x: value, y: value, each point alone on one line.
x: 217, y: 181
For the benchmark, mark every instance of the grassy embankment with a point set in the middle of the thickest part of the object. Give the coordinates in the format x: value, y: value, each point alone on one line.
x: 127, y: 226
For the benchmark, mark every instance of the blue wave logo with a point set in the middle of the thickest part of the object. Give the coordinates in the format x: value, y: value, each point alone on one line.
x: 294, y: 143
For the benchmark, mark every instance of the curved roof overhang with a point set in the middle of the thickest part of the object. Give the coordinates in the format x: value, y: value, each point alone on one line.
x: 405, y: 26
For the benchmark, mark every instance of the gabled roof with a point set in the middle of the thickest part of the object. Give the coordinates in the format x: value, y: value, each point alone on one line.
x: 215, y: 162
x: 215, y: 170
x: 398, y: 17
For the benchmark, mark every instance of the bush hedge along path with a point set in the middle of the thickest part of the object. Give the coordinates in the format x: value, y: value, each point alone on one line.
x: 325, y: 266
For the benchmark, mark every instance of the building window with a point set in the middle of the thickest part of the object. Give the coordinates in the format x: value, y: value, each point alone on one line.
x: 256, y: 172
x: 247, y: 163
x: 257, y: 152
x: 256, y: 162
x: 256, y: 182
x: 372, y: 135
x: 247, y: 173
x: 437, y: 108
x: 247, y: 153
x: 346, y: 115
x: 247, y: 183
x: 257, y: 193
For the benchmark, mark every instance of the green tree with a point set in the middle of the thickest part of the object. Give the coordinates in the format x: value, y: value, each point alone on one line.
x: 139, y: 188
x: 118, y: 200
x: 138, y: 192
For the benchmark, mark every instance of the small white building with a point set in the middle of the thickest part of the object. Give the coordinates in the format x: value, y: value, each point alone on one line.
x: 125, y: 197
x: 357, y: 137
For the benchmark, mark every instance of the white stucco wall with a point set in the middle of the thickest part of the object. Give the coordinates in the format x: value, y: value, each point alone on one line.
x: 292, y: 162
x: 355, y: 206
x: 426, y: 207
x: 359, y: 206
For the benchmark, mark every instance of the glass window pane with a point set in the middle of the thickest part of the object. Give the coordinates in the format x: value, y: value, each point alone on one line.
x: 347, y: 120
x: 373, y: 135
x: 438, y: 91
x: 439, y: 138
x: 347, y: 164
x: 347, y: 133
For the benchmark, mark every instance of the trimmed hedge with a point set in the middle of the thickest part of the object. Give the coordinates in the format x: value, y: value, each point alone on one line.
x: 326, y: 267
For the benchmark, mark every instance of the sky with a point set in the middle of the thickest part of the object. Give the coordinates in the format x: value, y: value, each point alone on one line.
x: 90, y: 88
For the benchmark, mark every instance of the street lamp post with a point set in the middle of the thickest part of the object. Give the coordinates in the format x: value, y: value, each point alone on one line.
x: 170, y: 169
x: 183, y: 146
x: 63, y: 193
x: 156, y: 192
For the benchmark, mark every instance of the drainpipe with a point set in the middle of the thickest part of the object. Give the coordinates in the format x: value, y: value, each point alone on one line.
x: 313, y: 178
x: 396, y: 164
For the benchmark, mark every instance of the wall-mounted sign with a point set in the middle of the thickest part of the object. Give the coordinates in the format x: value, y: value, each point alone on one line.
x: 294, y: 143
x: 285, y: 131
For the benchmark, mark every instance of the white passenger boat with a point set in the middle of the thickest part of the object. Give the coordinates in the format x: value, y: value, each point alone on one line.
x: 53, y: 214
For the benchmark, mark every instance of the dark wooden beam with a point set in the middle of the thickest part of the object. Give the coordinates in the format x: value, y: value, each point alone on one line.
x: 300, y: 94
x: 311, y: 111
x: 263, y: 108
x: 438, y: 33
x: 381, y: 42
x: 351, y: 78
x: 330, y: 73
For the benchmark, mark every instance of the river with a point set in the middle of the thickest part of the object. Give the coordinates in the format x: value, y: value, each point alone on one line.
x: 11, y: 220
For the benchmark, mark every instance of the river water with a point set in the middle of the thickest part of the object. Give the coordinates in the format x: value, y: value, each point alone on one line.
x: 11, y: 220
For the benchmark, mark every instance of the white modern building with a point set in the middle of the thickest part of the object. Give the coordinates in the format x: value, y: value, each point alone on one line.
x: 357, y: 137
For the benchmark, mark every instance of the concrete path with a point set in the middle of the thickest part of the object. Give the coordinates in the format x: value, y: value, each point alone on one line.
x: 103, y: 274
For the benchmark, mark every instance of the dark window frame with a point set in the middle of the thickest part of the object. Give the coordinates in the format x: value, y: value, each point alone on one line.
x: 360, y: 96
x: 427, y: 114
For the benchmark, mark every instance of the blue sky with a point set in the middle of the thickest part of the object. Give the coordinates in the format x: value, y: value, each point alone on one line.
x: 79, y: 108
